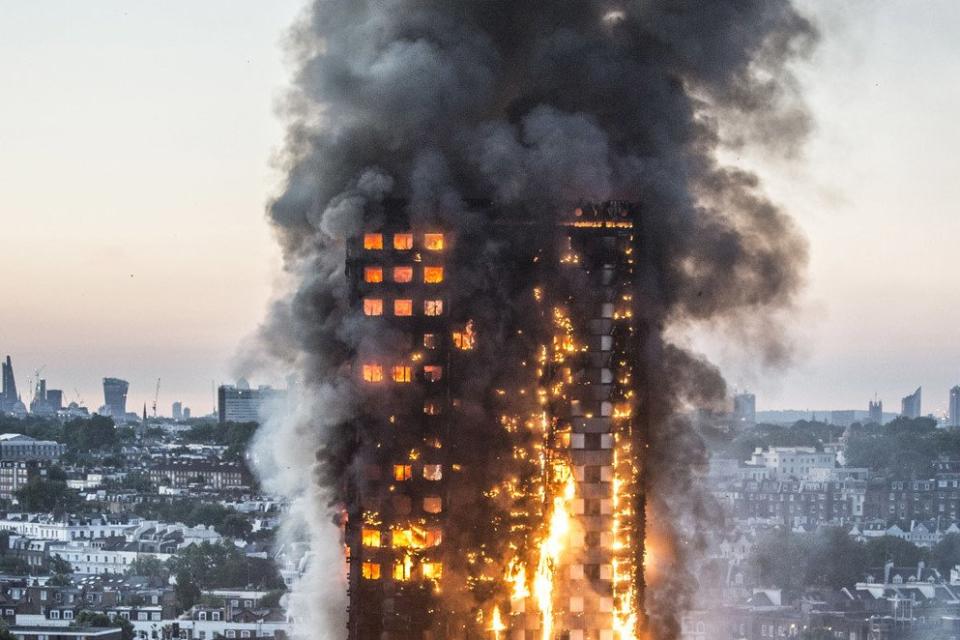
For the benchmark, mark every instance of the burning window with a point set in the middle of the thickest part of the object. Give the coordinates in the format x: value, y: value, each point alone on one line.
x: 402, y: 241
x: 433, y: 241
x: 373, y: 274
x: 403, y: 274
x: 372, y: 307
x: 430, y: 340
x: 434, y: 537
x: 373, y: 241
x: 433, y: 504
x: 370, y: 570
x: 433, y: 442
x: 402, y: 373
x: 432, y: 407
x: 403, y: 307
x: 431, y: 570
x: 402, y: 569
x: 402, y: 472
x: 432, y: 373
x: 433, y: 307
x: 466, y: 339
x: 433, y: 472
x: 432, y: 275
x: 372, y: 373
x: 370, y: 538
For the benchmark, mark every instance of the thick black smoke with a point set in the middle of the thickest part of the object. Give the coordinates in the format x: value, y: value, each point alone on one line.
x: 538, y: 105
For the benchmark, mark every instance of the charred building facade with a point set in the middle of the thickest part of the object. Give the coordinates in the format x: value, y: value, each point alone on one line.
x: 496, y: 477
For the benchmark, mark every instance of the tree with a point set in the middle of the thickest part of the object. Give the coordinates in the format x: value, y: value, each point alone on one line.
x: 46, y: 495
x: 186, y: 591
x: 5, y: 633
x: 95, y: 433
x: 94, y: 619
x: 59, y: 566
x: 223, y: 565
x: 234, y: 525
x: 901, y: 552
x: 148, y: 566
x: 834, y: 559
x: 945, y: 555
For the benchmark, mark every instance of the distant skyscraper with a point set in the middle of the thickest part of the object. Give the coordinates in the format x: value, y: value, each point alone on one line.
x: 186, y: 413
x: 875, y: 411
x: 40, y: 404
x: 745, y: 409
x: 115, y: 396
x: 910, y: 405
x: 177, y: 411
x: 9, y: 396
x: 55, y: 399
x: 955, y: 406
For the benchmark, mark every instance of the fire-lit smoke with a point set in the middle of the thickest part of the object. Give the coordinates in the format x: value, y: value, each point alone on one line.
x: 536, y: 106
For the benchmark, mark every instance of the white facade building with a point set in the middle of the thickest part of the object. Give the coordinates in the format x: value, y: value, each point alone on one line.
x: 792, y: 462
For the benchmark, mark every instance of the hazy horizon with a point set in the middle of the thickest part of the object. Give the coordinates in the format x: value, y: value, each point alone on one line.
x: 137, y: 150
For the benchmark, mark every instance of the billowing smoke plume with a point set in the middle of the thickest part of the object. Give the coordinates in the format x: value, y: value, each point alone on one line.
x: 536, y: 105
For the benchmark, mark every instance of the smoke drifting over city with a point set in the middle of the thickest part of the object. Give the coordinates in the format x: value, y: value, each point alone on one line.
x: 537, y: 107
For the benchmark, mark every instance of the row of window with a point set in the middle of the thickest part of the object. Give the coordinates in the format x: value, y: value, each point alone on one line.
x: 403, y: 570
x: 403, y: 241
x: 404, y: 472
x: 401, y: 307
x: 402, y: 274
x: 403, y: 538
x: 373, y: 372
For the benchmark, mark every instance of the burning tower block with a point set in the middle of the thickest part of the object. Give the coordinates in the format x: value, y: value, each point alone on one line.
x: 497, y: 486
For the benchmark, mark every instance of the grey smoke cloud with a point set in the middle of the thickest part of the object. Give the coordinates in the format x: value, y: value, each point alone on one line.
x: 538, y: 105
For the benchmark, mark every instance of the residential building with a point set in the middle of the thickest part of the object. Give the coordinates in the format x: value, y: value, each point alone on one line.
x: 954, y: 418
x: 177, y: 411
x: 15, y: 474
x: 240, y: 403
x: 16, y: 446
x: 792, y: 462
x: 745, y: 409
x: 910, y: 406
x: 182, y: 473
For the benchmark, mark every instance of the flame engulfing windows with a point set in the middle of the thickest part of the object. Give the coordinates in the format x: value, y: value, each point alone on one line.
x: 372, y: 373
x: 370, y: 538
x: 403, y: 274
x: 402, y: 373
x: 373, y: 241
x: 432, y: 570
x: 402, y: 569
x: 433, y: 275
x: 433, y: 472
x: 402, y: 472
x: 432, y: 373
x: 370, y: 570
x: 402, y: 241
x: 372, y: 307
x: 433, y: 307
x: 432, y: 504
x: 433, y: 241
x: 403, y: 307
x: 373, y: 274
x: 465, y: 340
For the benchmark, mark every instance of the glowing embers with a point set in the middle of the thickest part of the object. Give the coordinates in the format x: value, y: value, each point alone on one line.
x: 402, y: 373
x: 402, y: 241
x: 431, y: 570
x: 402, y: 472
x: 430, y: 341
x: 370, y: 537
x: 370, y: 570
x: 373, y: 274
x: 465, y: 340
x: 433, y: 307
x: 373, y: 241
x: 403, y: 274
x: 432, y: 407
x: 374, y: 307
x: 433, y: 275
x: 433, y: 241
x: 373, y: 373
x: 403, y: 307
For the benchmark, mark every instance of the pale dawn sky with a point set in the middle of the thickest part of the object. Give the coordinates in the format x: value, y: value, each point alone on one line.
x: 136, y: 141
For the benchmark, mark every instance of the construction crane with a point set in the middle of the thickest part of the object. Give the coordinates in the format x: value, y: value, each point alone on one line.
x: 79, y: 399
x: 156, y: 398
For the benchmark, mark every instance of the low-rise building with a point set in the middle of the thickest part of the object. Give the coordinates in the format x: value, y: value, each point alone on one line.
x: 16, y: 446
x: 217, y: 475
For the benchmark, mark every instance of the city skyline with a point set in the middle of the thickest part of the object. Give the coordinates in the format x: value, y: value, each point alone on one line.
x: 167, y: 272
